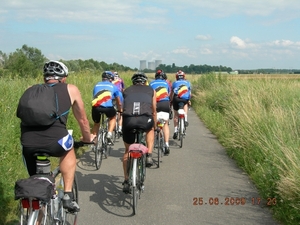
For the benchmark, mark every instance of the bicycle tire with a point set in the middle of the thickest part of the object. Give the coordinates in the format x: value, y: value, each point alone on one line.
x: 158, y: 149
x: 71, y: 218
x: 181, y: 132
x: 162, y: 142
x: 136, y: 187
x: 99, y: 150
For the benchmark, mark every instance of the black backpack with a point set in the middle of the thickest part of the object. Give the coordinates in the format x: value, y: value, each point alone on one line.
x: 38, y: 106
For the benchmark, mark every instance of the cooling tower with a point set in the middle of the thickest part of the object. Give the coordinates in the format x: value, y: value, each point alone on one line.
x: 143, y: 64
x: 157, y: 63
x: 151, y: 65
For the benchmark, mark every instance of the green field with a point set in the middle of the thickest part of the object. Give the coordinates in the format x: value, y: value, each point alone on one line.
x: 254, y: 117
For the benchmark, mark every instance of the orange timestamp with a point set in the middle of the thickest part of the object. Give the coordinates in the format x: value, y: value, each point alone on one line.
x: 233, y: 201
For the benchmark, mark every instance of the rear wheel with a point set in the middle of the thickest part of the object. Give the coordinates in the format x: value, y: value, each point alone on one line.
x: 181, y: 132
x: 136, y: 188
x: 158, y: 149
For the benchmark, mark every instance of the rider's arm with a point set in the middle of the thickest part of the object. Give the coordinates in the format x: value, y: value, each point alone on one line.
x: 79, y: 112
x: 119, y: 104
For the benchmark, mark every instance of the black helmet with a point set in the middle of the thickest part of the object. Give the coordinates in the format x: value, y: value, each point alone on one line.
x: 139, y: 77
x: 55, y: 68
x: 107, y: 75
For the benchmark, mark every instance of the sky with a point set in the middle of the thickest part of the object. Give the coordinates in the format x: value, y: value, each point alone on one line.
x: 241, y: 34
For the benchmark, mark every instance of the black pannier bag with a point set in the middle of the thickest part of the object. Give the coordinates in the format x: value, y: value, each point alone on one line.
x: 39, y: 187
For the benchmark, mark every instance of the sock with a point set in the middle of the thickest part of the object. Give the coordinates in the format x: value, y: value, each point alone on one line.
x: 109, y: 133
x: 70, y: 195
x: 185, y: 117
x: 175, y: 129
x: 167, y: 144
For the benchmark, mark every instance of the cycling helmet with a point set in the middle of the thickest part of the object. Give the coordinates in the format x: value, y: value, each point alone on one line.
x: 139, y: 77
x: 116, y: 74
x: 107, y: 75
x: 180, y: 75
x: 55, y: 69
x: 159, y: 74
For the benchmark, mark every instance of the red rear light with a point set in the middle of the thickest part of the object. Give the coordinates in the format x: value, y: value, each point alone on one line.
x: 25, y: 203
x: 136, y: 154
x: 35, y: 204
x: 181, y: 116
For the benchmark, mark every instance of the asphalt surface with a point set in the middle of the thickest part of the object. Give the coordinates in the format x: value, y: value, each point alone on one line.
x: 196, y: 184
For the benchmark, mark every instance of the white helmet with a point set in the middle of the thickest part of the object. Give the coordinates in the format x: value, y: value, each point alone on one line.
x: 55, y: 68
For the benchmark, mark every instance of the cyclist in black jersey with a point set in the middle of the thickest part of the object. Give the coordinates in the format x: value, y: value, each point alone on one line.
x: 139, y: 112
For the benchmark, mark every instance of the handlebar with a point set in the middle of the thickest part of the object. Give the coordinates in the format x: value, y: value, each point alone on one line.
x: 78, y: 144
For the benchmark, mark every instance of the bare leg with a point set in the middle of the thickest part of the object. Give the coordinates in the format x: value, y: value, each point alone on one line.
x: 166, y: 130
x: 112, y: 124
x: 67, y: 168
x: 150, y: 140
x: 125, y: 159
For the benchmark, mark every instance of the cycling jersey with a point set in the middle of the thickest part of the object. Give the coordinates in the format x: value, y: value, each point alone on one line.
x: 162, y: 89
x: 138, y: 101
x: 119, y: 83
x: 103, y: 94
x: 182, y: 89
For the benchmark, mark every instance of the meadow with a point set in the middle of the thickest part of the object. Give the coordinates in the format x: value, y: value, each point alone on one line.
x: 254, y: 117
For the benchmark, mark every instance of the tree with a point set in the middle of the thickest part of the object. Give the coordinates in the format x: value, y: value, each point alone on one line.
x: 25, y: 62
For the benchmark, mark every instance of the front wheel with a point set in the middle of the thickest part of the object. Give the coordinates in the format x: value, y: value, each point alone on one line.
x: 99, y: 151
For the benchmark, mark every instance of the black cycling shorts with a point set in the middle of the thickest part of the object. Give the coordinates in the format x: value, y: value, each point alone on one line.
x: 109, y: 112
x: 163, y: 106
x: 55, y: 150
x: 135, y: 122
x: 176, y: 100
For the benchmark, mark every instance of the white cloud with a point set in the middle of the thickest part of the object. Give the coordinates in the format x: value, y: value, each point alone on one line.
x: 203, y: 37
x: 236, y: 41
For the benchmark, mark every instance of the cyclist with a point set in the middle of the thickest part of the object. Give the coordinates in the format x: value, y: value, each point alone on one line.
x: 118, y: 81
x: 181, y: 92
x: 139, y: 112
x: 170, y: 85
x: 55, y: 139
x: 163, y: 91
x: 103, y: 94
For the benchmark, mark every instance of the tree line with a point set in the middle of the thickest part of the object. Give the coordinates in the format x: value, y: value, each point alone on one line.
x: 28, y: 62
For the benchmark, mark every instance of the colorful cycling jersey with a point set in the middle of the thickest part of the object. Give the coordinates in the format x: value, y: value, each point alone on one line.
x: 162, y: 89
x: 182, y: 89
x: 103, y: 94
x: 119, y: 83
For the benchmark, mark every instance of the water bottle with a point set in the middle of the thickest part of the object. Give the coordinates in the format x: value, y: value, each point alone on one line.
x: 60, y: 191
x: 55, y: 201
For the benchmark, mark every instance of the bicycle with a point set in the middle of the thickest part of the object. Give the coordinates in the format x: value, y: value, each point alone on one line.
x: 181, y: 124
x: 160, y: 140
x: 100, y: 148
x: 117, y: 134
x: 41, y: 195
x: 136, y: 167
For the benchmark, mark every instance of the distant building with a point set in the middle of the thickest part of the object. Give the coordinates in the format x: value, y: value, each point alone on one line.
x: 157, y: 63
x: 143, y: 64
x: 151, y: 65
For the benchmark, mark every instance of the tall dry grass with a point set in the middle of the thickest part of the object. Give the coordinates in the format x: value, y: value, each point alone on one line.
x: 257, y: 120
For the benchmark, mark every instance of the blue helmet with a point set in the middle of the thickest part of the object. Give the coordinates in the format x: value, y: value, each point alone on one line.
x: 107, y: 75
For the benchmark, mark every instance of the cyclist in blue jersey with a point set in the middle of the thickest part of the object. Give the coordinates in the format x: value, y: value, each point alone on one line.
x: 181, y: 92
x: 103, y: 94
x: 118, y: 81
x: 162, y: 89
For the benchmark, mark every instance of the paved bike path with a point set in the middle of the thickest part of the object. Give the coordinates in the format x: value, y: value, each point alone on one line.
x: 200, y: 171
